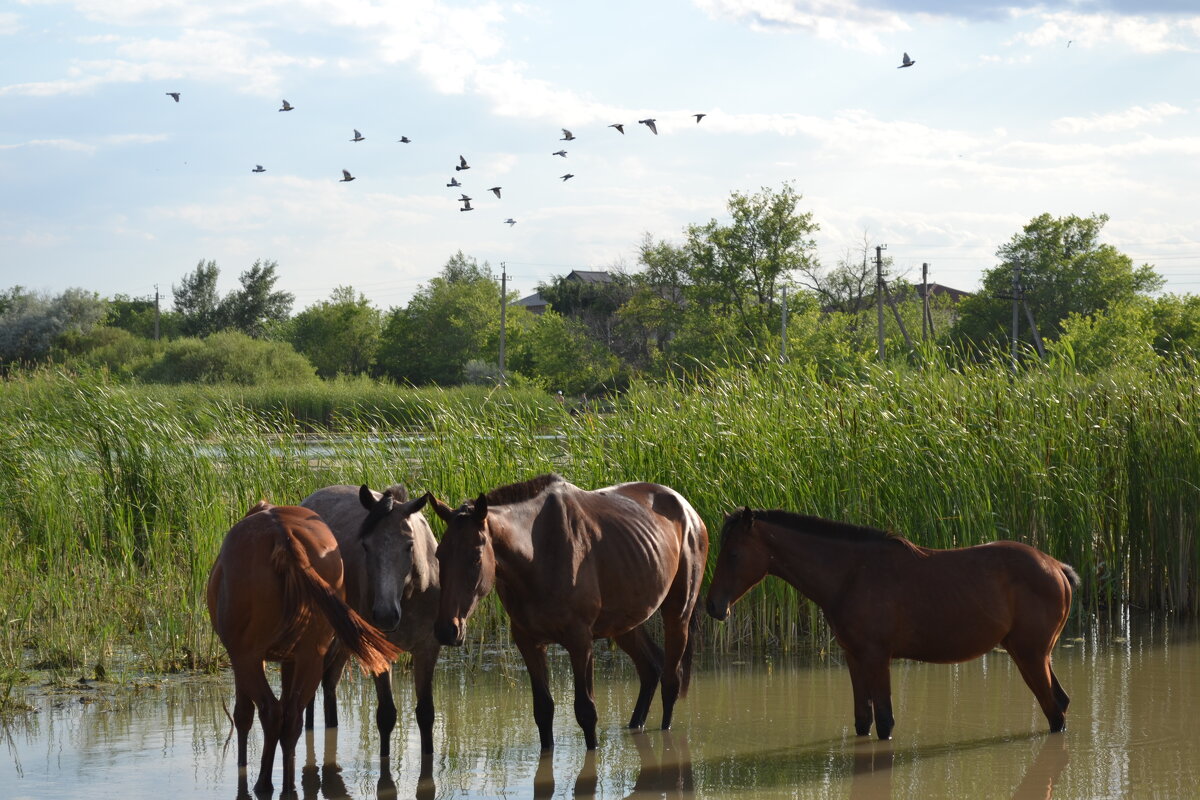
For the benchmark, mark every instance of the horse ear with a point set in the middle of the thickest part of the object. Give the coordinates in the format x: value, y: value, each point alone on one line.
x: 479, y: 512
x: 747, y: 514
x: 441, y: 509
x: 413, y: 506
x: 261, y: 505
x: 366, y: 497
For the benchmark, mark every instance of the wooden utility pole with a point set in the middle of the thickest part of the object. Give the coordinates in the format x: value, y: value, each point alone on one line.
x: 783, y: 330
x: 1016, y: 307
x: 156, y: 312
x: 926, y: 321
x: 503, y: 308
x: 879, y: 294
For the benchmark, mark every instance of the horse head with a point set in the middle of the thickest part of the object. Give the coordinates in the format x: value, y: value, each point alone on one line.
x: 387, y: 537
x: 466, y: 566
x: 741, y: 563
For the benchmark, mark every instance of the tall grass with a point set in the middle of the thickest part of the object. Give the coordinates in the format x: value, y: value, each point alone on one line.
x: 114, y: 500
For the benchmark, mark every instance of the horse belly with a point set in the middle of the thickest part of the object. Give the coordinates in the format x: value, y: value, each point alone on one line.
x: 952, y: 633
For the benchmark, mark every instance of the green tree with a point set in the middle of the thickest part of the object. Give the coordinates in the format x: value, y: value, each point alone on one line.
x: 257, y: 306
x: 229, y: 357
x: 1175, y: 320
x: 1121, y: 335
x: 453, y: 319
x: 566, y: 357
x: 339, y: 336
x: 32, y: 323
x: 197, y: 302
x: 1064, y: 270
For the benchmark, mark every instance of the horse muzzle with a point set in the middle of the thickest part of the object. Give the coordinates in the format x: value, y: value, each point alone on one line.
x: 449, y: 633
x: 386, y: 618
x: 717, y: 610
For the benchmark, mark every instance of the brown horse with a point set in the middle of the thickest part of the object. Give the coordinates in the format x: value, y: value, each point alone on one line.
x: 571, y: 566
x: 391, y: 571
x: 884, y: 597
x: 275, y: 594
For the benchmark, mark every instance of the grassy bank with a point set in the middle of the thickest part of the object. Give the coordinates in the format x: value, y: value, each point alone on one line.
x: 113, y: 500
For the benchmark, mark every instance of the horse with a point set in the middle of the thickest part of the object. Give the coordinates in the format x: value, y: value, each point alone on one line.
x: 275, y: 594
x: 572, y: 565
x: 885, y: 597
x: 391, y: 574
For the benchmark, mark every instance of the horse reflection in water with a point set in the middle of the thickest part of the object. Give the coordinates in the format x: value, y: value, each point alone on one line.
x: 275, y: 593
x: 667, y: 774
x: 325, y: 782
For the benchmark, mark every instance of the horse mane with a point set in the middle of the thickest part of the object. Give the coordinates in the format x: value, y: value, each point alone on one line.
x: 828, y: 528
x: 520, y: 492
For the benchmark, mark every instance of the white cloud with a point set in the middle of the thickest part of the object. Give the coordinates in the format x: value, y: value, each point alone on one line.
x: 844, y: 21
x: 72, y: 145
x: 1130, y: 118
x: 1142, y: 34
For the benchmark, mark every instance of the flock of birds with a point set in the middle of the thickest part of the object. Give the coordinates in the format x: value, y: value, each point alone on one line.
x: 465, y: 199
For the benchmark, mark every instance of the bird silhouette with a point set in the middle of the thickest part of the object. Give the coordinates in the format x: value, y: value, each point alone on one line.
x: 496, y: 191
x: 567, y: 136
x: 464, y: 199
x: 258, y: 168
x: 346, y: 176
x: 567, y: 177
x: 466, y: 205
x: 462, y: 164
x: 908, y: 62
x: 620, y: 128
x: 649, y: 123
x: 562, y: 153
x: 510, y: 222
x: 454, y: 182
x: 286, y: 106
x: 358, y: 137
x: 699, y: 117
x: 174, y: 96
x: 404, y: 139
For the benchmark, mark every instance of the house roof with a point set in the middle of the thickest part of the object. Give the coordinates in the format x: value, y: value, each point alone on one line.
x: 590, y: 275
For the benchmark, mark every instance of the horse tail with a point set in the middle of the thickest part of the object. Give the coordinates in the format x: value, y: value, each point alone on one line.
x: 694, y: 629
x: 1070, y: 574
x: 304, y: 587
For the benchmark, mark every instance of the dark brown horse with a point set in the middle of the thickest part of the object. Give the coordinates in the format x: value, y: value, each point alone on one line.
x: 571, y: 566
x: 391, y: 574
x: 275, y: 594
x: 884, y: 597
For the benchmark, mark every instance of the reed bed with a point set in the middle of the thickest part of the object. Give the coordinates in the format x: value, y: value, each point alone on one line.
x: 114, y: 499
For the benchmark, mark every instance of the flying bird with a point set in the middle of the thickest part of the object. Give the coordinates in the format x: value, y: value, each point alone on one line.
x: 466, y: 205
x: 620, y: 128
x: 346, y: 176
x: 174, y: 96
x: 510, y: 222
x: 462, y: 164
x: 404, y: 139
x: 454, y: 182
x: 908, y: 62
x: 567, y: 136
x: 258, y: 168
x: 699, y: 117
x: 286, y: 106
x: 496, y: 191
x: 562, y: 153
x: 567, y: 177
x: 649, y: 123
x: 358, y: 137
x: 464, y: 199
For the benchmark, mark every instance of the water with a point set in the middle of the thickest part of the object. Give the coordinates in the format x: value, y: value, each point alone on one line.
x: 751, y: 727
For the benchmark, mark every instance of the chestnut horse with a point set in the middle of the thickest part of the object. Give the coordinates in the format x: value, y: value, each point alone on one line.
x: 391, y: 572
x: 571, y: 566
x: 884, y: 597
x: 275, y: 594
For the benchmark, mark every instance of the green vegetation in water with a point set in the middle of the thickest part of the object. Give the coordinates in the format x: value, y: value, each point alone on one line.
x: 114, y: 499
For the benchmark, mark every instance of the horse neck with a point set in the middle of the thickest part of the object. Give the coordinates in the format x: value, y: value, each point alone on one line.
x: 512, y: 542
x: 816, y: 565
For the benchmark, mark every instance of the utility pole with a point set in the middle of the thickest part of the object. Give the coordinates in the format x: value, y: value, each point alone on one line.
x: 925, y: 320
x: 156, y: 314
x: 783, y: 331
x: 1016, y: 307
x: 503, y: 308
x: 879, y: 294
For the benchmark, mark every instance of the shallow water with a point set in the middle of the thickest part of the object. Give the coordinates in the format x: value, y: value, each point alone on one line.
x: 751, y: 727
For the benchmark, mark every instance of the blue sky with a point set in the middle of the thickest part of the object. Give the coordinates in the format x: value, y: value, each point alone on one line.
x: 111, y: 186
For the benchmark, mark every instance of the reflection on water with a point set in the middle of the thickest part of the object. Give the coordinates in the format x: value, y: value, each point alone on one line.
x: 749, y: 728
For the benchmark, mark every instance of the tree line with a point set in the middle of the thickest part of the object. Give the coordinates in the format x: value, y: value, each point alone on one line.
x: 714, y: 296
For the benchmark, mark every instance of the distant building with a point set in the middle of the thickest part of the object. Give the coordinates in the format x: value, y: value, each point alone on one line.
x: 938, y: 290
x: 536, y: 304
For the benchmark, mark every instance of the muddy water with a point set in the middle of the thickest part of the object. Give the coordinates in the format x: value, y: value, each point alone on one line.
x: 751, y: 727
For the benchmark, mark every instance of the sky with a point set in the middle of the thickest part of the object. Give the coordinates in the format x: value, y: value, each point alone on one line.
x: 1012, y: 109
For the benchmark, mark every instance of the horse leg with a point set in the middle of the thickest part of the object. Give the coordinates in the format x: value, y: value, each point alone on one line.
x: 1035, y: 669
x: 862, y: 701
x: 647, y: 660
x: 870, y: 677
x: 335, y: 665
x: 543, y: 704
x: 675, y: 639
x: 1060, y: 695
x: 299, y: 680
x: 253, y: 690
x: 582, y: 660
x: 423, y: 663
